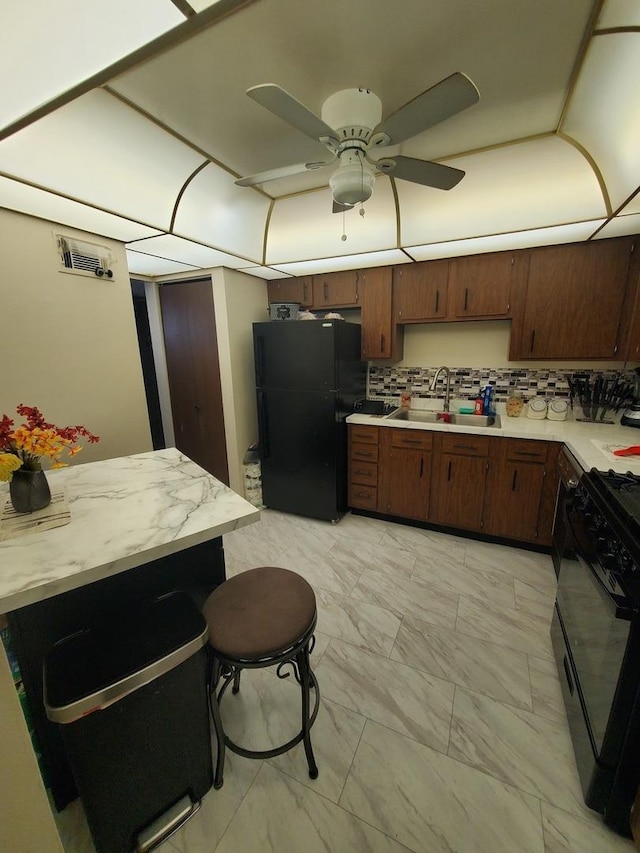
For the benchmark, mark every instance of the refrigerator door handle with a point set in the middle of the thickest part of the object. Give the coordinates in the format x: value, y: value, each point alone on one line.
x: 259, y: 352
x: 263, y: 426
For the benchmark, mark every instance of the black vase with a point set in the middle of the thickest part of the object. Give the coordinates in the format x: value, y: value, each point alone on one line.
x: 29, y: 490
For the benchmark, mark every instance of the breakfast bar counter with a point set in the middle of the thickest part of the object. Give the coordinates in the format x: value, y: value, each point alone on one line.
x: 138, y: 524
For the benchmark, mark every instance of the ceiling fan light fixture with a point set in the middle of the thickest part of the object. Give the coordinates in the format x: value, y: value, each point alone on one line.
x: 352, y: 182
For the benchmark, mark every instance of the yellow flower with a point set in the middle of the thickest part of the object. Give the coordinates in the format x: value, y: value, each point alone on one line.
x: 8, y: 464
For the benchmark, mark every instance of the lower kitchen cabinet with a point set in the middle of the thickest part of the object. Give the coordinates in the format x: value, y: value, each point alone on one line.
x: 405, y: 473
x: 458, y: 483
x: 503, y: 487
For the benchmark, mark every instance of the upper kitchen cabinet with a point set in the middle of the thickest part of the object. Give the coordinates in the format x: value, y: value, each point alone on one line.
x: 480, y: 285
x: 632, y: 349
x: 420, y: 291
x: 291, y: 290
x: 336, y: 290
x: 575, y: 303
x: 382, y: 338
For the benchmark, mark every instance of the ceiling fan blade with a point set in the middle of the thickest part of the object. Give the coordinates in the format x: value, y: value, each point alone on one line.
x: 281, y: 172
x: 341, y: 208
x: 421, y: 172
x: 448, y: 97
x: 278, y: 101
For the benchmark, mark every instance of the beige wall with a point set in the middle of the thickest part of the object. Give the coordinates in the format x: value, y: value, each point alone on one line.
x: 475, y: 344
x: 240, y: 300
x: 68, y: 342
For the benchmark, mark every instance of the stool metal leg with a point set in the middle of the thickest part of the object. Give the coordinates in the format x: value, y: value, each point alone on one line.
x: 236, y: 681
x: 305, y: 677
x: 217, y: 723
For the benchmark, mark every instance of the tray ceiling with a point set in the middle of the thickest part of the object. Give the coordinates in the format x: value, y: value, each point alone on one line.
x: 147, y: 140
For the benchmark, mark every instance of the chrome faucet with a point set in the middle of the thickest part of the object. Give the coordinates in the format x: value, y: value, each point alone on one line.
x: 447, y: 391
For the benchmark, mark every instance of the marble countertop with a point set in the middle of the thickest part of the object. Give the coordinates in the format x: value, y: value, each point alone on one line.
x: 591, y: 443
x: 124, y: 512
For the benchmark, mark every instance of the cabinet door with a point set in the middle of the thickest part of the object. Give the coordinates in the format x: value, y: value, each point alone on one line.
x: 335, y: 289
x: 513, y: 504
x: 457, y: 492
x: 407, y: 475
x: 381, y: 337
x: 291, y: 290
x: 420, y: 291
x: 574, y: 301
x: 480, y: 285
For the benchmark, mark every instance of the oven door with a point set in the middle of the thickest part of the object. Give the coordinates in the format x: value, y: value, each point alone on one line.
x: 596, y: 622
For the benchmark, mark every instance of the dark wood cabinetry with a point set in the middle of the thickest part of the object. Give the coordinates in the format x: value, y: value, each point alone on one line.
x: 420, y: 291
x: 363, y: 467
x: 381, y: 337
x: 480, y: 285
x: 575, y: 302
x: 405, y: 473
x: 521, y: 487
x: 291, y: 290
x: 632, y: 347
x: 457, y: 488
x: 335, y: 290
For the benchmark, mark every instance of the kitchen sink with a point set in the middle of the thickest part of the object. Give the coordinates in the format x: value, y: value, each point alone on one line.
x: 424, y: 417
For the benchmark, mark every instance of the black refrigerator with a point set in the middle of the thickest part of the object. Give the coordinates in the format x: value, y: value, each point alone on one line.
x: 308, y: 376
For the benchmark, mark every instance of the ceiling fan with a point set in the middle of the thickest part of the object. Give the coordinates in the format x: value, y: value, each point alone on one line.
x: 351, y: 128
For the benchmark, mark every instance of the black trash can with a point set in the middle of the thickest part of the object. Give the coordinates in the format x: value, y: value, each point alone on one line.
x: 130, y: 697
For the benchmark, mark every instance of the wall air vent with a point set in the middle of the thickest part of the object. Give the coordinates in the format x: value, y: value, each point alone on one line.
x: 84, y: 258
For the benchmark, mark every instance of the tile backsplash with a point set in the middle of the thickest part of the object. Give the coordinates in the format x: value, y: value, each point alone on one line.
x: 388, y: 383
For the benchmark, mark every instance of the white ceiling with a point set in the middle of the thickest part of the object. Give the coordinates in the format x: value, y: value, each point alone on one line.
x: 134, y: 126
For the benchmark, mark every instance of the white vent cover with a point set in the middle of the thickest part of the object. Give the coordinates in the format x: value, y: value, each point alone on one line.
x: 84, y: 258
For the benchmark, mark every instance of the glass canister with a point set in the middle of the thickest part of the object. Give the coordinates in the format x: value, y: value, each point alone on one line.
x: 515, y: 404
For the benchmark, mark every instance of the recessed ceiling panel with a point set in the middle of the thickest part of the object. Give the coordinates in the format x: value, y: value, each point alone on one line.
x: 621, y: 226
x: 572, y: 233
x: 263, y: 272
x: 603, y: 115
x: 200, y: 5
x: 96, y: 149
x: 141, y: 264
x: 519, y: 187
x: 45, y: 205
x: 186, y: 252
x: 47, y: 48
x: 303, y: 226
x: 619, y: 13
x: 346, y: 262
x: 633, y: 206
x: 217, y: 212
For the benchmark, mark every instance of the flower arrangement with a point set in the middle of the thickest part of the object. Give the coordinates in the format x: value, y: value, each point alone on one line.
x: 24, y: 446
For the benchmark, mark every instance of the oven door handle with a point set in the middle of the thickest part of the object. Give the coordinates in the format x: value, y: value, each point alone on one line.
x: 616, y: 604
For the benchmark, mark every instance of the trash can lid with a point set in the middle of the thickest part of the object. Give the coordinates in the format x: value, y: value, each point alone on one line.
x: 91, y: 669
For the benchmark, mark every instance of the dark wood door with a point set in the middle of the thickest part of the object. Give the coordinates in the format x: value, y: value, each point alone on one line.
x: 407, y: 478
x: 574, y: 301
x: 457, y: 492
x: 193, y: 367
x: 335, y: 289
x: 480, y: 285
x: 513, y: 503
x: 291, y: 290
x: 420, y: 291
x: 381, y: 337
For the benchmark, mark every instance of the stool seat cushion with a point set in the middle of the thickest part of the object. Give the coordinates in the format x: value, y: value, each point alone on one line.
x: 259, y: 612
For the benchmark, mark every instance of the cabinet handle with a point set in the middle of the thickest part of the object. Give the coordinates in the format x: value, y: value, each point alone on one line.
x: 325, y: 289
x: 466, y: 298
x: 411, y: 441
x: 533, y: 337
x: 526, y: 453
x: 449, y: 470
x: 304, y: 293
x: 464, y: 446
x: 421, y: 466
x: 513, y: 484
x: 382, y: 341
x: 362, y: 455
x: 437, y: 300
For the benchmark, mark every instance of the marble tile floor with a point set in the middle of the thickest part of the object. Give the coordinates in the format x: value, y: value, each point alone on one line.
x: 441, y: 727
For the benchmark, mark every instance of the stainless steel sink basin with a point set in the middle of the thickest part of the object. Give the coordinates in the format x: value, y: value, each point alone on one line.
x: 420, y: 416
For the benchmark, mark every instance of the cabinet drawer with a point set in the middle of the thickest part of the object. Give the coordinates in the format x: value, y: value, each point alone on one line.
x: 526, y: 450
x: 411, y: 438
x: 466, y: 445
x: 363, y: 452
x: 364, y: 473
x: 365, y: 434
x: 365, y: 497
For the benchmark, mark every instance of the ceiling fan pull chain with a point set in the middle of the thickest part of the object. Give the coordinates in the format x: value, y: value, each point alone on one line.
x: 344, y: 229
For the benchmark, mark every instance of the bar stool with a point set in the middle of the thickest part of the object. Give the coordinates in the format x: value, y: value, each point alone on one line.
x: 259, y: 618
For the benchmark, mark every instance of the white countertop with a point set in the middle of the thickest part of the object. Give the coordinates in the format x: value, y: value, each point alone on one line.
x: 590, y: 443
x: 124, y: 512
